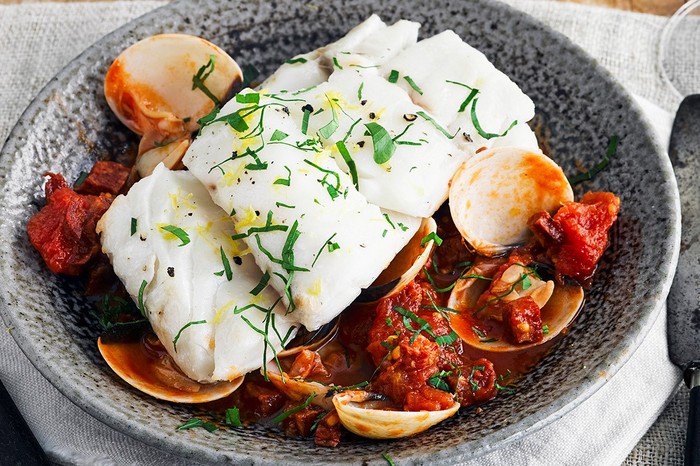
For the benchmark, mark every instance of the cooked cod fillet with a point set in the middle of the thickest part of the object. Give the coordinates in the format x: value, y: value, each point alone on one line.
x: 167, y: 241
x: 307, y: 226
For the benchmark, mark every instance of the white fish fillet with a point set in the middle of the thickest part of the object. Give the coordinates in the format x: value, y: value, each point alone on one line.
x: 363, y: 48
x: 414, y: 181
x: 446, y: 70
x: 179, y: 284
x: 306, y: 223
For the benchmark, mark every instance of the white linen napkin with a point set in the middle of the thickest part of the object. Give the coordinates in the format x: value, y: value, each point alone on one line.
x: 36, y: 40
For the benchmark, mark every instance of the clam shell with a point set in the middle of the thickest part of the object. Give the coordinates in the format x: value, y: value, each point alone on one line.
x: 299, y: 389
x: 164, y: 380
x: 149, y: 86
x: 494, y: 194
x: 361, y: 413
x: 405, y: 266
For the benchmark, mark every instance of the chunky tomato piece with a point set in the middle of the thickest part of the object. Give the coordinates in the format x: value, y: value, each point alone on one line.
x: 105, y: 177
x: 577, y: 235
x: 64, y: 230
x: 306, y: 364
x: 328, y: 431
x: 257, y: 399
x: 299, y: 424
x: 477, y: 383
x: 415, y: 371
x: 523, y: 318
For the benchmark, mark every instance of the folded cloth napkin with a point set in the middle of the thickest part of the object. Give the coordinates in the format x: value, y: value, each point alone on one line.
x: 38, y: 39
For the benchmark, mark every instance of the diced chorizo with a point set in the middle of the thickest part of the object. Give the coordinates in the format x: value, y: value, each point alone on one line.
x: 299, y: 424
x: 308, y: 363
x: 522, y: 316
x: 476, y: 384
x: 328, y: 430
x: 584, y: 227
x: 105, y: 177
x: 63, y: 231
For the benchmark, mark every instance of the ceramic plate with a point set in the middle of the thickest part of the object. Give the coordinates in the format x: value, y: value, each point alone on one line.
x: 68, y: 127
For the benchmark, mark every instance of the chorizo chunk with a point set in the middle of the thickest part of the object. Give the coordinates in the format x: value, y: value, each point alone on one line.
x: 64, y: 230
x: 523, y: 318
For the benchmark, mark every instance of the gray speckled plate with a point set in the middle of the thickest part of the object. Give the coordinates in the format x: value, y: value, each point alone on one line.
x: 68, y: 127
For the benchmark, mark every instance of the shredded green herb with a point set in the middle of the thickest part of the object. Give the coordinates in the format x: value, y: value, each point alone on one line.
x: 328, y: 243
x: 81, y: 179
x: 479, y: 129
x: 233, y: 417
x: 227, y: 264
x: 202, y: 75
x: 436, y: 381
x: 600, y: 166
x: 269, y: 226
x: 133, y: 226
x: 248, y: 98
x: 296, y: 60
x: 437, y: 126
x: 278, y: 135
x: 193, y: 423
x: 261, y: 284
x: 186, y: 326
x: 349, y: 162
x: 142, y: 308
x: 281, y: 417
x: 413, y: 84
x: 432, y: 236
x: 393, y: 76
x: 284, y: 181
x: 388, y: 459
x: 384, y: 146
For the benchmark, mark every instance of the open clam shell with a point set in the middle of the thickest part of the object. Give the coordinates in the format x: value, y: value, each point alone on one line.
x: 405, y: 266
x: 299, y: 389
x: 361, y: 413
x: 494, y: 194
x: 561, y: 306
x: 151, y: 85
x: 142, y: 364
x: 311, y: 340
x: 170, y: 154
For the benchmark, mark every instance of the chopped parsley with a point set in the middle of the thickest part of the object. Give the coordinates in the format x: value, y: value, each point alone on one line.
x: 432, y: 236
x: 142, y: 308
x: 282, y: 416
x: 193, y: 423
x: 384, y: 146
x: 233, y: 417
x: 413, y: 84
x: 278, y: 135
x: 261, y: 284
x: 284, y: 181
x: 202, y: 74
x: 186, y: 326
x: 393, y: 76
x: 227, y: 264
x: 600, y: 166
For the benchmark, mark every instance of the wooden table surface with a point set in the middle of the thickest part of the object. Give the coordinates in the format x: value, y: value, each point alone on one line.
x: 658, y: 7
